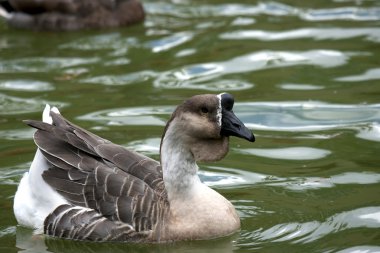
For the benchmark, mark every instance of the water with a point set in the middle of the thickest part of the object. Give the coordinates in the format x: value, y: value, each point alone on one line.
x: 306, y: 80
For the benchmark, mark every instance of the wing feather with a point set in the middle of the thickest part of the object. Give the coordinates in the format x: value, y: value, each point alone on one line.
x: 71, y: 222
x: 122, y: 190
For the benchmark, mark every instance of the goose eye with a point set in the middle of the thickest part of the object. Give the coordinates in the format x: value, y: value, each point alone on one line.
x: 204, y: 110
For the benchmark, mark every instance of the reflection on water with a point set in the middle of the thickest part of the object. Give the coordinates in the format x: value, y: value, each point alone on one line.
x: 112, y: 41
x: 37, y: 64
x: 293, y: 153
x: 19, y: 134
x: 304, y: 75
x: 149, y: 146
x: 12, y: 175
x: 294, y: 86
x: 372, y: 34
x: 306, y: 116
x: 346, y: 13
x: 14, y: 105
x: 366, y: 217
x: 371, y: 74
x: 25, y: 85
x: 169, y: 42
x: 232, y: 177
x: 269, y: 8
x: 190, y: 76
x: 371, y: 133
x: 131, y: 116
x: 361, y: 249
x: 130, y: 78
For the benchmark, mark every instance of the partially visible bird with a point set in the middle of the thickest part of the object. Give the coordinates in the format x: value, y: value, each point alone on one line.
x: 71, y: 15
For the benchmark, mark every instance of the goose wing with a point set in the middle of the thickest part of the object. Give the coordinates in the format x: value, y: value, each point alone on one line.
x: 102, y: 182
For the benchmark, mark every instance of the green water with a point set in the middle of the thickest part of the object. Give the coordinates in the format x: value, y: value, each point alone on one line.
x: 305, y: 76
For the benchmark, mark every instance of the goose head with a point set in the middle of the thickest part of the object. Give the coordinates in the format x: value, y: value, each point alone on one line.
x: 202, y: 125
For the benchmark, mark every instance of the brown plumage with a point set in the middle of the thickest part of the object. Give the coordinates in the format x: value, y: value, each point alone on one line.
x: 104, y: 192
x: 88, y: 171
x: 71, y: 15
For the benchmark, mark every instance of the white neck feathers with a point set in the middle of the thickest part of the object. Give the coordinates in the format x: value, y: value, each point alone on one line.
x: 178, y: 164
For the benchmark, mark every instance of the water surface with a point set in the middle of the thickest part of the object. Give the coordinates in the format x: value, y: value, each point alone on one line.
x: 305, y: 76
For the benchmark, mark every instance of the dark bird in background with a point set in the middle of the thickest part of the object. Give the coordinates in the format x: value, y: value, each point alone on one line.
x: 71, y: 15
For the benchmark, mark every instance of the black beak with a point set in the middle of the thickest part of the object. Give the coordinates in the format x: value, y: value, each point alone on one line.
x: 232, y: 126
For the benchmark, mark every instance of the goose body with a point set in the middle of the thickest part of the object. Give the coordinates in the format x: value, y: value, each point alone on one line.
x: 83, y: 187
x: 70, y: 15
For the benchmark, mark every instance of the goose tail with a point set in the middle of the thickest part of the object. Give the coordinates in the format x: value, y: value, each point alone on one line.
x: 35, y: 199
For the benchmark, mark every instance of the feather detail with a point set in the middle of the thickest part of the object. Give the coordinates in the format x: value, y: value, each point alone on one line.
x: 109, y: 185
x: 83, y: 187
x: 79, y: 223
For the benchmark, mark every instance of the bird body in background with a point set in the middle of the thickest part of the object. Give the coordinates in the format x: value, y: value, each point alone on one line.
x: 71, y: 15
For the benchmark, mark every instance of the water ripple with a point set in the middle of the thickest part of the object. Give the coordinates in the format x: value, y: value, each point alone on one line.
x: 111, y: 41
x: 202, y: 73
x: 231, y: 177
x: 170, y: 42
x: 344, y: 13
x: 131, y: 116
x: 366, y: 217
x: 361, y: 249
x: 8, y: 231
x: 202, y: 84
x: 12, y: 175
x: 371, y: 132
x: 370, y: 33
x: 42, y: 64
x: 295, y: 86
x: 14, y: 105
x: 149, y: 146
x: 270, y: 8
x: 291, y: 153
x: 130, y: 78
x: 186, y: 52
x: 306, y: 116
x: 314, y: 183
x: 18, y: 134
x: 371, y: 74
x: 26, y: 85
x: 219, y: 10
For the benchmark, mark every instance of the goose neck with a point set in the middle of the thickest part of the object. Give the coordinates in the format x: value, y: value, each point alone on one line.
x: 178, y: 165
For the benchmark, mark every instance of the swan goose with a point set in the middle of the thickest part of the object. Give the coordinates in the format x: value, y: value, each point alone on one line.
x: 83, y: 187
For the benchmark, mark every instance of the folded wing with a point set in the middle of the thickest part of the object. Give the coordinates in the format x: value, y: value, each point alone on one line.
x: 104, y: 183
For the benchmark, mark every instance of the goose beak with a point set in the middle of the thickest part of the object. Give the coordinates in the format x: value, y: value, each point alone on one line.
x: 232, y: 126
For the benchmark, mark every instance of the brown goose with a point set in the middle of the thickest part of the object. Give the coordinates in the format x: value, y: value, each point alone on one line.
x: 83, y: 187
x: 70, y: 15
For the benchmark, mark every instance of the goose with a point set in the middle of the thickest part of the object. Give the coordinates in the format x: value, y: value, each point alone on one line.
x: 70, y: 15
x: 83, y: 187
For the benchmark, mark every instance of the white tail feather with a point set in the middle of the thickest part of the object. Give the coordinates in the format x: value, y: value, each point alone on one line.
x: 35, y: 199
